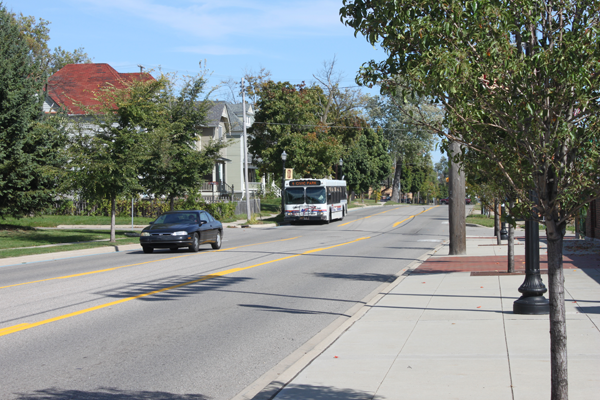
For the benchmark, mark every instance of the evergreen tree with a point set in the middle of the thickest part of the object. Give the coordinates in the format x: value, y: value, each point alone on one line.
x: 31, y: 144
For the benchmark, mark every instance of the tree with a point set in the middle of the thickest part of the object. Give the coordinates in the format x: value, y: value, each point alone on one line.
x: 31, y: 144
x: 367, y: 161
x: 520, y: 83
x: 59, y: 58
x: 175, y: 166
x: 288, y: 118
x: 408, y: 140
x: 110, y: 146
x: 342, y: 102
x: 37, y: 35
x: 441, y: 170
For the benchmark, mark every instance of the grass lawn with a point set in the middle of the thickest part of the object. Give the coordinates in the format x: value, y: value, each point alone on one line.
x: 480, y: 220
x: 361, y: 203
x: 13, y: 239
x: 270, y: 206
x: 489, y: 222
x: 50, y: 221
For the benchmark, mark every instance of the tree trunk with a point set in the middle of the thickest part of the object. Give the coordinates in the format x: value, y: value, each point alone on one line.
x: 396, y: 185
x: 511, y: 245
x: 113, y: 213
x: 456, y: 209
x: 558, y: 327
x: 172, y: 203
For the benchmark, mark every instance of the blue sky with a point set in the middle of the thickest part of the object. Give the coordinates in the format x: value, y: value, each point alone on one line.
x: 292, y: 39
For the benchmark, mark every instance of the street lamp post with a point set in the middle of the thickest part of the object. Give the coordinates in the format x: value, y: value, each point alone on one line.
x: 341, y: 176
x: 532, y: 301
x: 283, y: 158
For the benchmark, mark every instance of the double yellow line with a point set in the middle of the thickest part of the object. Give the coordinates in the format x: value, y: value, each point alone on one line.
x: 25, y: 326
x: 395, y: 224
x: 142, y: 263
x: 358, y: 219
x: 412, y: 216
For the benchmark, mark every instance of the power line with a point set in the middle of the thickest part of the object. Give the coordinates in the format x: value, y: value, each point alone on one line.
x: 329, y: 126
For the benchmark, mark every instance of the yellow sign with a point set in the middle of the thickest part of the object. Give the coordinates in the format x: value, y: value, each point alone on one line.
x: 289, y: 173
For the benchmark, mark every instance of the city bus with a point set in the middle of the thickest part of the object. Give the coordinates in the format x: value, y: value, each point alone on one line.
x: 315, y: 200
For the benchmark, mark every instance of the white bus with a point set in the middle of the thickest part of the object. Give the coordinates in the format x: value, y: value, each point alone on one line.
x: 315, y: 200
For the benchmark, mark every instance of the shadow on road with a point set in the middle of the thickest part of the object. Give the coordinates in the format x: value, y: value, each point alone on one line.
x: 358, y: 277
x: 172, y: 288
x: 105, y: 394
x: 295, y: 392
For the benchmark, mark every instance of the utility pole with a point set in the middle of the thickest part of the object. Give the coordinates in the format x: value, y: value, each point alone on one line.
x: 245, y: 153
x: 456, y: 207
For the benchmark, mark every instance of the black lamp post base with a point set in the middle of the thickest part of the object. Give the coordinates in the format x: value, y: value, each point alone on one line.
x: 532, y: 305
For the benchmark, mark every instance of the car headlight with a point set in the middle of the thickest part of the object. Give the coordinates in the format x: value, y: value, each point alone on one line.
x: 145, y: 234
x: 179, y: 233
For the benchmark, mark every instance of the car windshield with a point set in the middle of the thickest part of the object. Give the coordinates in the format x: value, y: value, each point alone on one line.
x: 294, y: 196
x: 179, y: 218
x: 315, y: 195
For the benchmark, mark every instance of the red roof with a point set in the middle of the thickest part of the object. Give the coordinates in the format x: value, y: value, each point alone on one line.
x: 75, y: 84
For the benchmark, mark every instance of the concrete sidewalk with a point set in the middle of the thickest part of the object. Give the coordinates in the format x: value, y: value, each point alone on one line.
x: 446, y: 330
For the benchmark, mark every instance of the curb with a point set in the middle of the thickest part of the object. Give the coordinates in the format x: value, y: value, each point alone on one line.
x: 61, y: 255
x: 273, y: 381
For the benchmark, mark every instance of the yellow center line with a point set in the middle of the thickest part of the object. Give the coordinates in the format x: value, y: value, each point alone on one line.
x: 358, y: 219
x: 25, y: 326
x: 412, y: 216
x: 142, y: 263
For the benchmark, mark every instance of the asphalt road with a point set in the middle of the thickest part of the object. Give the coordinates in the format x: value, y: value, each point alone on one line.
x: 197, y: 325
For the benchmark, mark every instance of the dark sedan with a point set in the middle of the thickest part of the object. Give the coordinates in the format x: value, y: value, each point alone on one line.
x: 175, y: 229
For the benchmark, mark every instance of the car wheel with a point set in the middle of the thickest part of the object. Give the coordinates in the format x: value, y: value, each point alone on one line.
x: 196, y: 243
x: 148, y: 249
x: 217, y: 244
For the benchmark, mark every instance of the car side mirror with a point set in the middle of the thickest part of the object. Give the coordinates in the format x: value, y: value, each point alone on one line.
x: 202, y: 222
x: 151, y: 223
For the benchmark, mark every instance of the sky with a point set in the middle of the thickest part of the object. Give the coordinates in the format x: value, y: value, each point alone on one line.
x: 292, y: 39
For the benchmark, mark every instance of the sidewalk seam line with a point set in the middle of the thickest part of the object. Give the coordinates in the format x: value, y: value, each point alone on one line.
x: 512, y: 389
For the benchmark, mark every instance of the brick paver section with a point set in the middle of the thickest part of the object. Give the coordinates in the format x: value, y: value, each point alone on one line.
x: 498, y: 264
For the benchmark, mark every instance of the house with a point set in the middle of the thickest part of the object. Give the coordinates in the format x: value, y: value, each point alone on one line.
x: 225, y: 122
x: 72, y: 89
x: 73, y: 86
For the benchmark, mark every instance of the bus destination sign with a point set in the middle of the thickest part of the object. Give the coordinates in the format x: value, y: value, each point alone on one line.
x: 305, y: 183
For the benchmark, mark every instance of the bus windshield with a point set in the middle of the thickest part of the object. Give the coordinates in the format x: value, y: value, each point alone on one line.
x: 316, y: 195
x: 294, y: 196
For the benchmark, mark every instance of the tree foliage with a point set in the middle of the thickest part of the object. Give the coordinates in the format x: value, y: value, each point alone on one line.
x: 288, y: 118
x: 31, y: 144
x: 409, y: 140
x: 175, y: 165
x: 37, y: 35
x: 520, y: 83
x: 366, y: 161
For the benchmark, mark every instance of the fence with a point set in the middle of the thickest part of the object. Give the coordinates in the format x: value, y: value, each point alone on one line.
x: 240, y: 208
x: 142, y: 208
